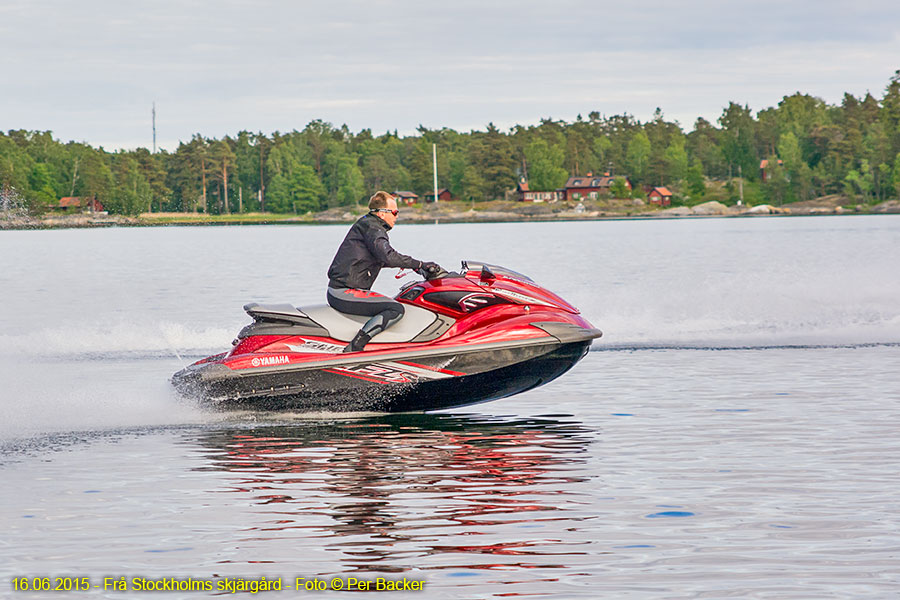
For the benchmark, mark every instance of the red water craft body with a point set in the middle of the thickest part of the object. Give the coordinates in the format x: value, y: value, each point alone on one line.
x: 484, y: 333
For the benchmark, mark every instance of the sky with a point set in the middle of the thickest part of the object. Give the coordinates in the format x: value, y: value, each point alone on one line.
x: 91, y: 70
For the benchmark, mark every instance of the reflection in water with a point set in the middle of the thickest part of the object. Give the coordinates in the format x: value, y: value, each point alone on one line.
x: 388, y: 492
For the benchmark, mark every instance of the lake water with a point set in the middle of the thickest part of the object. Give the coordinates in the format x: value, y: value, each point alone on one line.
x: 735, y: 433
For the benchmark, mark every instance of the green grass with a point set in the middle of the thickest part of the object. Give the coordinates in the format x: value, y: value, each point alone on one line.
x: 190, y: 218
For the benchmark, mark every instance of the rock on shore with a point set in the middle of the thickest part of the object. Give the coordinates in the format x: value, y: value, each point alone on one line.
x: 891, y: 206
x: 705, y: 209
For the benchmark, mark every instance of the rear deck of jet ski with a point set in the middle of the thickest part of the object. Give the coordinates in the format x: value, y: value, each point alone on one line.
x: 417, y: 324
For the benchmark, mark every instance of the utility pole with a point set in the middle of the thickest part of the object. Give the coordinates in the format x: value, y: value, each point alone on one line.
x: 154, y: 127
x: 740, y: 186
x: 262, y: 185
x: 203, y: 177
x: 75, y: 175
x: 434, y: 156
x: 225, y: 179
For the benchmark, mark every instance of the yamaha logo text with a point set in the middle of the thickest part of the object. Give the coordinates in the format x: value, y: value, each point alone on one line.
x: 268, y: 361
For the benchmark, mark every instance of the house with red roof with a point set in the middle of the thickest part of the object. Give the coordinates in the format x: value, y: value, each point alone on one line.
x: 404, y: 197
x: 660, y: 196
x: 443, y: 195
x: 79, y: 204
x: 525, y: 194
x: 764, y: 168
x: 589, y: 187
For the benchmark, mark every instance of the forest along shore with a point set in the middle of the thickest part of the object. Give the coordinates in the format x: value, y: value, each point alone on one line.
x: 463, y: 212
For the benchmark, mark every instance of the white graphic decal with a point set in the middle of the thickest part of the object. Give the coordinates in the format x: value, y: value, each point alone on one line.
x: 520, y: 297
x: 392, y: 372
x: 314, y: 347
x: 473, y: 301
x: 386, y: 374
x: 417, y: 371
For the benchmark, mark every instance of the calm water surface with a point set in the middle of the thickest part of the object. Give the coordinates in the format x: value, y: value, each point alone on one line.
x: 734, y: 434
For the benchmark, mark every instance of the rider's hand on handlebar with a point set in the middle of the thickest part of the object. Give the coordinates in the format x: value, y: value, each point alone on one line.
x: 431, y: 267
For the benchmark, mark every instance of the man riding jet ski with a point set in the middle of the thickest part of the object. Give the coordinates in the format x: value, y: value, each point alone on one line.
x: 451, y: 340
x: 360, y: 257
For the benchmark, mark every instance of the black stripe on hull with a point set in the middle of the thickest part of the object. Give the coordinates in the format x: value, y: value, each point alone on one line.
x: 325, y: 390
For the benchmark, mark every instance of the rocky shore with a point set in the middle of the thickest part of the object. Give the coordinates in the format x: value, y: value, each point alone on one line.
x: 462, y: 212
x: 57, y: 221
x: 457, y: 212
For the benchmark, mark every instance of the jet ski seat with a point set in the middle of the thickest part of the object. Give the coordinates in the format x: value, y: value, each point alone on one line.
x: 342, y: 326
x: 417, y: 324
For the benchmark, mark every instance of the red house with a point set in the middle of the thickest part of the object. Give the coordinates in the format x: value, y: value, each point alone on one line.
x: 406, y: 197
x: 764, y: 168
x: 660, y: 196
x: 444, y: 195
x: 583, y: 187
x: 523, y: 194
x: 76, y: 203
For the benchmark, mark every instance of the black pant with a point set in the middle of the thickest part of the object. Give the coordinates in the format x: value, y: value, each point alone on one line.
x: 383, y: 310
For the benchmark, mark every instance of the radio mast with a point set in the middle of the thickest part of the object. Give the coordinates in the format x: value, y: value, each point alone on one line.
x: 154, y: 128
x: 434, y: 156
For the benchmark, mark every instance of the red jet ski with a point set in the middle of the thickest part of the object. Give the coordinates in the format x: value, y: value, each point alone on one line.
x: 484, y: 333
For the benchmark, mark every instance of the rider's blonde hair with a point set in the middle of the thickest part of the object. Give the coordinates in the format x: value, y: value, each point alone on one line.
x: 379, y: 200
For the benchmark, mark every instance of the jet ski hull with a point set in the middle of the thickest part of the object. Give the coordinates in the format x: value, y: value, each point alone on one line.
x: 383, y: 385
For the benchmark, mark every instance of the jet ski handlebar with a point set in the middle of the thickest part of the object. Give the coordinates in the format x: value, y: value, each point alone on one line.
x: 432, y: 271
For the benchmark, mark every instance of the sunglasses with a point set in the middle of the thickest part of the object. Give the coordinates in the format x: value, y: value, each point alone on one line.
x: 394, y: 212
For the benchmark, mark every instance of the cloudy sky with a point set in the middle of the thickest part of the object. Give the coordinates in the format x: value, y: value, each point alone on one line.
x: 90, y: 70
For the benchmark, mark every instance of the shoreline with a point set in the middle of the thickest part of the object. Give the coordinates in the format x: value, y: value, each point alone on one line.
x: 493, y: 212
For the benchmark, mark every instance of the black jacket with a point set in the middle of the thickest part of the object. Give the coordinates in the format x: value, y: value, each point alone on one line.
x: 363, y: 253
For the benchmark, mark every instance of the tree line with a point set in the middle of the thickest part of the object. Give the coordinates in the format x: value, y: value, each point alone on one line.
x: 812, y: 149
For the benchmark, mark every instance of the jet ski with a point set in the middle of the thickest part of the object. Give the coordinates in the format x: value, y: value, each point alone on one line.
x: 482, y: 333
